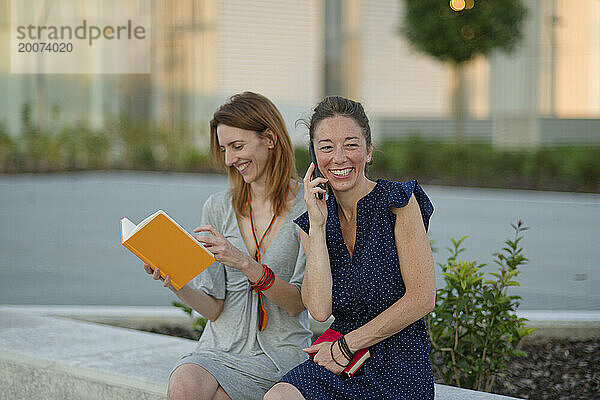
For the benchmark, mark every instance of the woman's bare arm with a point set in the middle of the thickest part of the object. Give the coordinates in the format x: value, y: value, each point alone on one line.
x: 417, y: 268
x: 317, y: 284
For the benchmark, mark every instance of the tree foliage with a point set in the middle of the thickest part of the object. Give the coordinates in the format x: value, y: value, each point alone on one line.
x: 477, y: 28
x: 434, y: 28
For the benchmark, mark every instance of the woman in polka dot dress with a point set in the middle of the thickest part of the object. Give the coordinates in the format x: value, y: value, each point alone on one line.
x: 369, y: 265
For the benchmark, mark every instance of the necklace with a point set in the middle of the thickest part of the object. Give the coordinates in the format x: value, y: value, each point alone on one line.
x: 268, y: 277
x: 257, y: 243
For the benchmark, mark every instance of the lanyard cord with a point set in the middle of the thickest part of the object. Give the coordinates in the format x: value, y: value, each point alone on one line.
x: 268, y: 277
x: 256, y: 242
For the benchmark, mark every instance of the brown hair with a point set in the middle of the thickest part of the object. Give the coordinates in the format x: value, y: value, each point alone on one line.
x: 254, y: 112
x: 331, y: 106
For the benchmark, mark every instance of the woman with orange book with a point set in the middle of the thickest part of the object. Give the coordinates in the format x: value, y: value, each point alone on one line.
x: 257, y: 324
x: 369, y: 264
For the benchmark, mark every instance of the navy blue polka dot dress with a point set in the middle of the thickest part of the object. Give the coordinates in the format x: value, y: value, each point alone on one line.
x: 364, y: 285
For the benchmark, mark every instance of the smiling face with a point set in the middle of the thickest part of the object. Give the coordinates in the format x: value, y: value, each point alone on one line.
x: 246, y: 151
x: 341, y: 151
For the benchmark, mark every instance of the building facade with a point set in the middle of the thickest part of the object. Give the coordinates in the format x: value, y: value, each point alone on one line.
x: 547, y: 92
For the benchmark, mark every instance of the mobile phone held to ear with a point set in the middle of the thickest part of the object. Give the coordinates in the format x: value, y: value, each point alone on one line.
x: 316, y: 172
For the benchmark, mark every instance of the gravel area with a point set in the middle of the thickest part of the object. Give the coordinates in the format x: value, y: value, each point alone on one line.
x: 559, y: 369
x: 554, y: 369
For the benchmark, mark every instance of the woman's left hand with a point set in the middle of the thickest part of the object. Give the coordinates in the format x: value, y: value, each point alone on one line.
x: 322, y: 352
x: 222, y: 249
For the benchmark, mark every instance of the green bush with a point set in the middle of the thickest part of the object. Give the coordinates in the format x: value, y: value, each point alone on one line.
x: 79, y: 147
x: 126, y: 144
x: 474, y: 329
x: 302, y: 160
x: 56, y: 147
x: 10, y: 157
x: 194, y: 160
x: 571, y: 168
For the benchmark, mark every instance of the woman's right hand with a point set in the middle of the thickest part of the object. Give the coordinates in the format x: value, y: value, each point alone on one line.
x: 166, y: 282
x: 317, y: 208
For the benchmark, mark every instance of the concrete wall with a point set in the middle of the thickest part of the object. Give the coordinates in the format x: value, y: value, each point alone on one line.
x: 59, y: 358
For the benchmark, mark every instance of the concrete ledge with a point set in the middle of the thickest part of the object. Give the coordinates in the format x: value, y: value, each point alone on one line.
x: 65, y: 358
x: 25, y: 377
x: 564, y: 324
x: 123, y: 316
x: 127, y: 316
x: 555, y: 324
x: 68, y: 359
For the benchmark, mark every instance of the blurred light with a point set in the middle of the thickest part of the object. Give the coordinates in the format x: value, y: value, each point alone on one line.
x: 457, y: 5
x: 469, y: 4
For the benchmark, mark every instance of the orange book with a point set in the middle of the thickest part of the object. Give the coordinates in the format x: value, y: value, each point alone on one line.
x: 161, y: 242
x: 359, y: 357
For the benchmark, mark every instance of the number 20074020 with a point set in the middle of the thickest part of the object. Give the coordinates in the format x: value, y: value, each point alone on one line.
x: 45, y: 47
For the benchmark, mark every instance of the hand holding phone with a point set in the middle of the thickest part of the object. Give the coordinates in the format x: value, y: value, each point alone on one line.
x: 316, y: 172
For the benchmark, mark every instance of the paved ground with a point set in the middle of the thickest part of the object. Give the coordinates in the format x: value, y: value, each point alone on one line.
x: 59, y: 236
